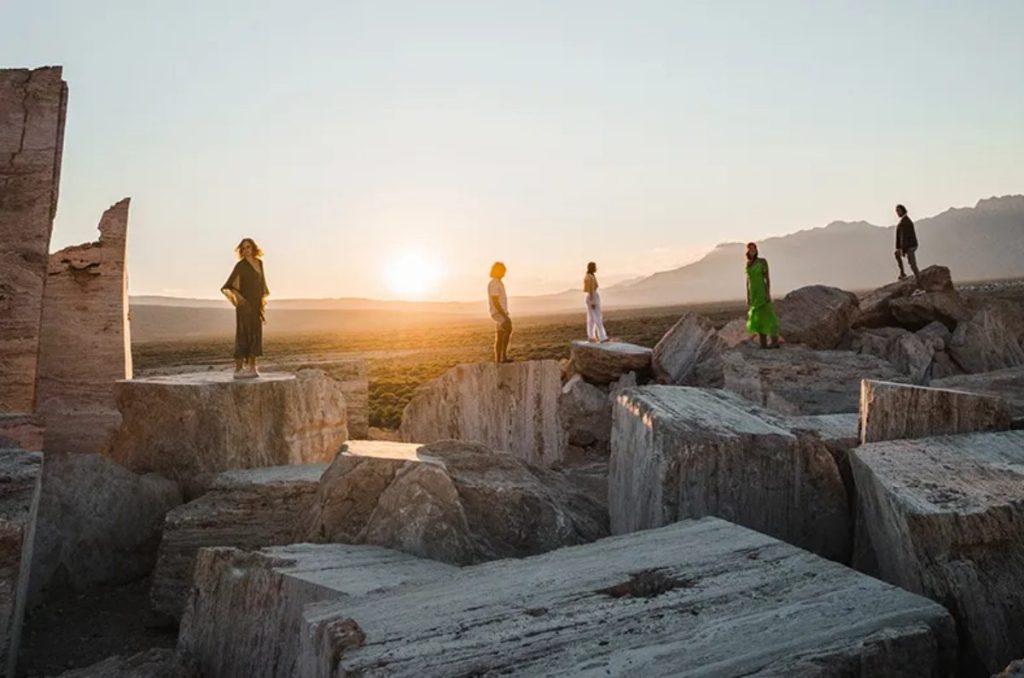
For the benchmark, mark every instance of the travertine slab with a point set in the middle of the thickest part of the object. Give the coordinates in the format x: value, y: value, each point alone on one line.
x: 681, y: 452
x: 21, y: 431
x: 1007, y: 384
x: 690, y: 353
x: 21, y: 475
x: 32, y: 110
x: 244, y: 616
x: 353, y: 376
x: 945, y: 516
x: 510, y: 407
x: 607, y: 362
x: 85, y: 343
x: 702, y: 598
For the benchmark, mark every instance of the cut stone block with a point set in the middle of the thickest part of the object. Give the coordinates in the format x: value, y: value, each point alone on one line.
x: 451, y: 501
x: 605, y: 363
x: 246, y: 509
x: 21, y: 431
x: 697, y: 598
x: 21, y: 475
x: 86, y: 307
x: 945, y: 517
x: 796, y: 380
x: 244, y: 617
x: 586, y: 412
x: 817, y: 316
x: 690, y: 353
x: 188, y: 425
x: 874, y: 306
x: 510, y: 407
x: 681, y: 452
x: 1007, y: 384
x: 892, y: 411
x: 353, y: 376
x: 32, y: 110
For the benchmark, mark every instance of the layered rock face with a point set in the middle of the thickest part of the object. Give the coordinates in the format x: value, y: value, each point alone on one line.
x: 945, y: 516
x: 695, y: 598
x: 85, y: 342
x: 511, y: 408
x: 690, y: 353
x: 21, y: 431
x: 608, y: 362
x: 682, y: 452
x: 32, y: 109
x: 906, y: 351
x: 797, y: 380
x: 20, y: 481
x: 917, y: 311
x: 986, y: 342
x: 351, y: 374
x: 450, y: 501
x: 1007, y: 384
x: 892, y: 411
x: 245, y: 614
x: 586, y: 412
x: 874, y: 306
x: 250, y: 509
x: 817, y: 316
x: 99, y: 523
x: 188, y: 425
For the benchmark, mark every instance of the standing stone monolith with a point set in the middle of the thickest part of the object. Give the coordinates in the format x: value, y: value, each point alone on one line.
x: 85, y: 343
x: 32, y: 110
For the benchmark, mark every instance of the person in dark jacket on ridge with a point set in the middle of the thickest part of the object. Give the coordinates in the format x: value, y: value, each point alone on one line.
x: 906, y: 243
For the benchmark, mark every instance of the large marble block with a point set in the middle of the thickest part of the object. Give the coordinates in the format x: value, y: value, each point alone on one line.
x: 1007, y: 384
x: 21, y: 475
x: 610, y: 361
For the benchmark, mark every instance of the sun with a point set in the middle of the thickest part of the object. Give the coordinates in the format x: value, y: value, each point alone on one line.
x: 413, y: 274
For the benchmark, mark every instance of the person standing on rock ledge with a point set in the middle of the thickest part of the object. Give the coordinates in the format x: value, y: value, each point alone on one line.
x: 595, y: 323
x: 498, y: 303
x: 246, y: 288
x: 761, y: 318
x: 906, y: 243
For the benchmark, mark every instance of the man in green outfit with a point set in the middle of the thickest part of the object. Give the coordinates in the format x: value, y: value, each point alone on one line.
x: 761, y: 318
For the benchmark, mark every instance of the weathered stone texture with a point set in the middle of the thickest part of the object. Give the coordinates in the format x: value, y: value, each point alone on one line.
x: 244, y: 617
x: 817, y: 316
x: 690, y: 353
x: 605, y: 363
x: 734, y: 333
x: 935, y: 334
x: 1007, y: 384
x: 85, y: 343
x: 586, y: 412
x: 917, y: 311
x: 893, y: 411
x: 987, y: 342
x: 32, y: 110
x: 695, y: 598
x: 152, y: 663
x: 875, y: 306
x: 451, y: 501
x: 250, y: 509
x: 945, y: 517
x: 20, y: 480
x: 681, y: 452
x: 21, y: 431
x: 351, y: 374
x: 511, y: 408
x: 906, y: 351
x: 188, y: 425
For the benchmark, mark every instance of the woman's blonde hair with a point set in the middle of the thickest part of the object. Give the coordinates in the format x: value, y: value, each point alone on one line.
x: 256, y: 251
x: 498, y: 268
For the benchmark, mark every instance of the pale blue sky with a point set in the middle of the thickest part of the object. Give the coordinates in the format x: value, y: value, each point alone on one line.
x: 343, y: 134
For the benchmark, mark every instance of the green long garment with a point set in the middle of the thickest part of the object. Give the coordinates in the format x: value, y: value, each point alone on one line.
x: 761, y: 318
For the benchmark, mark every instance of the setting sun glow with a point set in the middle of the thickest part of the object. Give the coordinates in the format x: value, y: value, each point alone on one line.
x: 413, y: 274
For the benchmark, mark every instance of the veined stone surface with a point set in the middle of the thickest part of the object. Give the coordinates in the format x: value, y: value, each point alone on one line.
x: 945, y: 516
x: 511, y: 408
x: 695, y: 598
x: 244, y: 617
x: 32, y: 109
x: 987, y: 342
x: 250, y: 509
x: 817, y: 316
x: 21, y: 475
x: 690, y: 353
x: 607, y: 362
x: 906, y: 351
x: 874, y: 306
x: 681, y: 452
x: 1007, y: 384
x: 451, y: 501
x: 187, y: 425
x: 21, y: 431
x: 892, y: 411
x: 351, y: 374
x: 85, y: 343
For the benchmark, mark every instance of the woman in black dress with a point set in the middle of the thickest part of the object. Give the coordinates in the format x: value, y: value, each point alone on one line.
x: 246, y: 288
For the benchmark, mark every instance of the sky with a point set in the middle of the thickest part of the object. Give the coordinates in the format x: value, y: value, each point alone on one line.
x: 393, y: 149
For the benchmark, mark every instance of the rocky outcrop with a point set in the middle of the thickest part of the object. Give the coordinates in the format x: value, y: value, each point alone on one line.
x: 893, y: 411
x: 350, y: 373
x: 690, y: 353
x: 936, y: 335
x: 21, y: 431
x: 874, y: 306
x: 586, y: 412
x: 797, y: 380
x: 190, y: 425
x: 85, y: 307
x: 245, y: 615
x: 32, y: 109
x: 945, y: 516
x: 605, y: 363
x: 918, y: 310
x: 695, y: 598
x: 512, y: 408
x: 1007, y: 384
x: 943, y: 367
x: 451, y: 501
x: 20, y: 478
x: 682, y: 452
x: 817, y: 316
x: 99, y: 523
x: 734, y: 333
x: 153, y: 663
x: 906, y: 351
x: 248, y: 509
x: 986, y: 342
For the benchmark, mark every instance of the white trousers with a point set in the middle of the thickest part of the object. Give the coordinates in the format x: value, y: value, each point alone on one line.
x: 595, y: 323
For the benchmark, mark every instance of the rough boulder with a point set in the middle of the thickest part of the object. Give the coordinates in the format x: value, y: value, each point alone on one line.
x: 608, y: 362
x: 690, y: 353
x: 987, y: 342
x: 817, y: 316
x: 874, y: 306
x: 1007, y: 384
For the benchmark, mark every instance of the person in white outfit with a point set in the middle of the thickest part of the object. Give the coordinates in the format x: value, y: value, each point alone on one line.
x: 595, y: 323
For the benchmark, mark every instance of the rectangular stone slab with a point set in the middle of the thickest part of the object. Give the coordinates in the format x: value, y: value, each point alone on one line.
x: 1007, y: 384
x: 680, y: 452
x: 695, y: 598
x: 945, y: 517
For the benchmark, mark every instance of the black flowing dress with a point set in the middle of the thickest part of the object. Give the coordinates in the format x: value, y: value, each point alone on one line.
x: 247, y: 289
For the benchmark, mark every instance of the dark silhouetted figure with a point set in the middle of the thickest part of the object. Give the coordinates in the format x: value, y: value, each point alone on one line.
x: 246, y: 288
x: 906, y: 243
x: 498, y: 304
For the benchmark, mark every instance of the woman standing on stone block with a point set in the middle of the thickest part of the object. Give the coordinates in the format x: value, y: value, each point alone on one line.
x: 246, y: 288
x: 595, y: 322
x: 761, y: 318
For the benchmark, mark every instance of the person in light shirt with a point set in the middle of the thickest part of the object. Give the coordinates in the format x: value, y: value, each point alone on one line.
x: 497, y: 302
x: 595, y: 323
